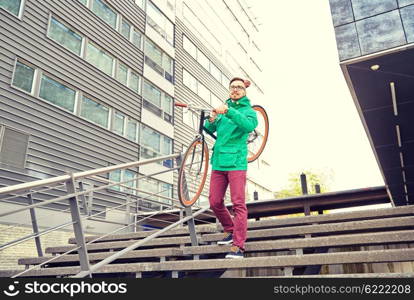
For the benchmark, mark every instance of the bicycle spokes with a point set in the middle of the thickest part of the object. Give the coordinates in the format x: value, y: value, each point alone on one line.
x: 193, y: 173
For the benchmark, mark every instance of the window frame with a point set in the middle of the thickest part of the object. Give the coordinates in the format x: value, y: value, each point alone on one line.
x: 35, y: 76
x: 91, y: 4
x: 109, y: 119
x: 82, y: 51
x: 21, y: 10
x: 163, y: 95
x: 60, y: 81
x: 114, y: 59
x: 163, y: 53
x: 164, y: 35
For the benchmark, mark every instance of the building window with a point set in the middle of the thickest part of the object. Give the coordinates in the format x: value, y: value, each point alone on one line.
x: 190, y: 81
x: 140, y: 3
x: 132, y: 130
x: 122, y: 74
x: 189, y: 47
x: 118, y: 125
x: 204, y: 93
x: 13, y: 6
x: 95, y: 112
x: 57, y: 93
x: 215, y: 101
x: 159, y: 61
x: 23, y: 77
x: 116, y: 177
x: 154, y: 144
x: 133, y: 82
x: 65, y: 36
x: 126, y: 29
x: 191, y: 119
x: 13, y: 147
x: 130, y: 176
x: 168, y: 66
x: 157, y: 101
x: 128, y: 77
x: 160, y: 23
x: 215, y: 72
x: 198, y: 88
x: 121, y: 176
x: 205, y: 62
x: 167, y: 106
x: 107, y: 14
x: 99, y: 59
x: 158, y: 188
x: 137, y: 38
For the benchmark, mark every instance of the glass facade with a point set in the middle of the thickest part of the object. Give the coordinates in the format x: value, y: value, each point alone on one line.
x: 364, y: 26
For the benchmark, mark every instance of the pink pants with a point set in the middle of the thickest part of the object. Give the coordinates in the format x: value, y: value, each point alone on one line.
x: 218, y: 186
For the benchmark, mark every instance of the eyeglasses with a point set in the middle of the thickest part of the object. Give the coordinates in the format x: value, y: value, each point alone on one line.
x: 237, y: 88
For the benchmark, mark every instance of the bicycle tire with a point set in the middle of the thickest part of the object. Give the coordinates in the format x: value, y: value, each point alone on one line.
x: 262, y: 118
x: 187, y: 162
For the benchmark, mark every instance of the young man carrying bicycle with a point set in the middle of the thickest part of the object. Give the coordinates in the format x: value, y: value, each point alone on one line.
x: 233, y: 122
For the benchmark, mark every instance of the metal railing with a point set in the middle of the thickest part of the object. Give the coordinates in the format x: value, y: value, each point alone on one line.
x: 75, y: 197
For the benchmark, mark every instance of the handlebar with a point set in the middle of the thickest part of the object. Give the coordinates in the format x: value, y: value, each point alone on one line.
x: 180, y: 104
x: 190, y: 106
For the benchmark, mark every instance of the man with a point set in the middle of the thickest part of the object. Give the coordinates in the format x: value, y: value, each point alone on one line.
x: 233, y: 122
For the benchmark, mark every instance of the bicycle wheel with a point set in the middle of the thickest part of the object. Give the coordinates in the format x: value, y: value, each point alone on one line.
x: 257, y: 139
x: 193, y: 172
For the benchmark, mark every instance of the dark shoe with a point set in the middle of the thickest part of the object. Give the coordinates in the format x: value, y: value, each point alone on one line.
x: 228, y: 240
x: 235, y: 252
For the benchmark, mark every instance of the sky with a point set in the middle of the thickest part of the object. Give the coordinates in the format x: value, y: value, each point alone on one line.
x: 314, y: 123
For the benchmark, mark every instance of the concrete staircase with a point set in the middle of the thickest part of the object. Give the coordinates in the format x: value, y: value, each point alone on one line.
x: 290, y: 245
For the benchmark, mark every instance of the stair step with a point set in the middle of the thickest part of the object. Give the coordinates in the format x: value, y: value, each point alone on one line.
x: 331, y: 228
x: 286, y: 244
x: 342, y: 227
x: 123, y: 244
x: 143, y: 234
x: 146, y: 253
x: 372, y: 256
x: 365, y: 239
x: 280, y: 222
x: 355, y: 275
x: 335, y: 217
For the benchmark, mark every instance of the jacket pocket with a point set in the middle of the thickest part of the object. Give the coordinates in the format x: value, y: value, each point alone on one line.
x: 227, y: 157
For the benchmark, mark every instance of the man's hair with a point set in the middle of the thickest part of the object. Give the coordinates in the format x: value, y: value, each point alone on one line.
x: 246, y: 82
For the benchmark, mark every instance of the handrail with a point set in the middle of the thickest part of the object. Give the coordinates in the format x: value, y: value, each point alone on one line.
x: 136, y: 245
x: 75, y: 194
x: 72, y: 194
x: 83, y: 174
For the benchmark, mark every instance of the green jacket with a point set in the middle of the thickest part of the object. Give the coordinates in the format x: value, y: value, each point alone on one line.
x: 230, y: 149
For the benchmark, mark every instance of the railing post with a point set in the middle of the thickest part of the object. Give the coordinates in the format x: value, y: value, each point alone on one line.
x: 128, y: 214
x: 83, y: 199
x: 318, y: 191
x: 77, y: 226
x: 188, y: 211
x: 304, y: 186
x: 35, y: 226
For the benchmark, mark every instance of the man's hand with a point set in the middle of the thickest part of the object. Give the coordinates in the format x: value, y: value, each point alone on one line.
x: 213, y: 117
x: 222, y: 109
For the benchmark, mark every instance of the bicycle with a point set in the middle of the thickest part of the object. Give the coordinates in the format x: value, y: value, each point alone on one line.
x: 192, y: 173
